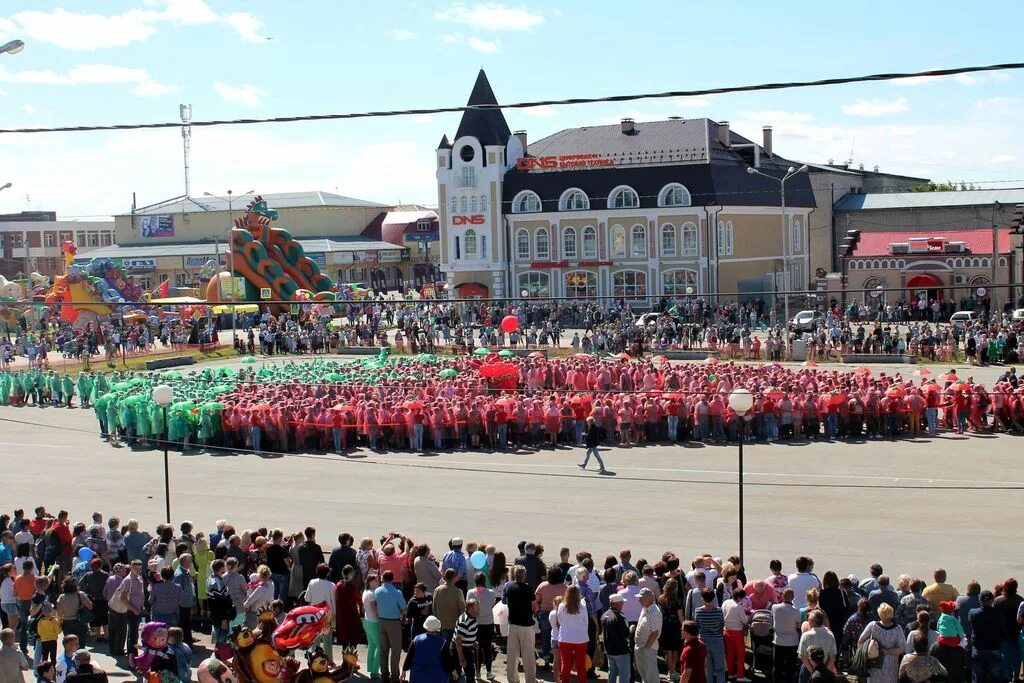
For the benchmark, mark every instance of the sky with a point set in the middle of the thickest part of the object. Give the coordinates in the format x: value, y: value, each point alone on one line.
x: 122, y: 61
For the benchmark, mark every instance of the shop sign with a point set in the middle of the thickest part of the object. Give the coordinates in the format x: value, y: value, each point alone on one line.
x: 422, y: 237
x: 319, y: 259
x: 548, y: 264
x: 265, y: 293
x: 340, y: 257
x: 198, y: 261
x: 475, y: 219
x: 390, y: 255
x: 364, y: 256
x: 594, y: 264
x: 139, y: 263
x: 563, y: 161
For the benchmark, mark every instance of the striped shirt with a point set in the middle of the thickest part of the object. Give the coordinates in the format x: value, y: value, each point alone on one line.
x: 466, y: 628
x: 711, y: 622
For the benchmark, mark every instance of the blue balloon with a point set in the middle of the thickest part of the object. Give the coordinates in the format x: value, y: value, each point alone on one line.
x: 478, y: 559
x: 85, y: 554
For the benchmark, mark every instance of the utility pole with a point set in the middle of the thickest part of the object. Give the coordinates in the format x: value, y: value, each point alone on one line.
x: 186, y: 140
x: 995, y: 258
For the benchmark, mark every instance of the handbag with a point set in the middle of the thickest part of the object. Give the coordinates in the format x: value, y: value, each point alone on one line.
x: 598, y: 659
x: 85, y: 614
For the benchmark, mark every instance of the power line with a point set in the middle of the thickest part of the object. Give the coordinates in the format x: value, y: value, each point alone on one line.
x: 536, y: 103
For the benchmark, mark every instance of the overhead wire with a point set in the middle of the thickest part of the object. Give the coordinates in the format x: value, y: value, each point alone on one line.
x: 698, y: 92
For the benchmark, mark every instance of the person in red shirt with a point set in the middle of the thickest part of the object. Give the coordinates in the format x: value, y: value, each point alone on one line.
x: 501, y: 425
x: 691, y: 661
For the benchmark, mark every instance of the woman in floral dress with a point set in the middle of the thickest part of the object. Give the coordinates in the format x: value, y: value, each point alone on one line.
x: 892, y: 643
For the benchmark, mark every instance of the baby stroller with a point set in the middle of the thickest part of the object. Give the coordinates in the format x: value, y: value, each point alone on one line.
x: 761, y: 641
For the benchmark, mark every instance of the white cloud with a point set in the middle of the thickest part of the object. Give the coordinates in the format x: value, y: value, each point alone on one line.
x: 492, y: 17
x: 982, y: 78
x: 544, y: 111
x: 92, y: 74
x: 403, y: 34
x: 1002, y: 159
x: 246, y: 26
x: 487, y: 47
x: 452, y: 38
x: 249, y: 95
x: 82, y: 31
x: 875, y: 107
x: 557, y: 12
x: 28, y: 109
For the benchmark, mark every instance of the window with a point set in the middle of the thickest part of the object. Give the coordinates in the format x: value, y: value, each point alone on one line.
x: 106, y: 239
x: 458, y: 254
x: 725, y: 234
x: 639, y: 241
x: 94, y: 239
x: 623, y: 198
x: 573, y: 200
x: 466, y: 153
x: 423, y: 225
x: 589, y: 242
x: 526, y: 202
x: 542, y: 247
x: 569, y: 243
x: 463, y: 205
x: 49, y: 239
x: 689, y: 240
x: 618, y: 241
x: 871, y: 292
x: 483, y: 203
x: 674, y: 195
x: 145, y: 283
x: 523, y: 245
x: 798, y: 236
x: 80, y: 239
x: 472, y: 204
x: 668, y: 240
x: 17, y: 237
x: 629, y: 284
x: 679, y: 282
x: 51, y: 263
x: 467, y: 176
x: 535, y: 284
x: 483, y: 246
x: 454, y: 205
x: 181, y: 279
x: 469, y: 238
x: 580, y: 284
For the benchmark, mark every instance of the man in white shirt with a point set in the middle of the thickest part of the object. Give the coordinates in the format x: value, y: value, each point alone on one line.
x: 803, y: 581
x: 817, y: 636
x: 786, y: 628
x: 320, y: 589
x: 648, y: 628
x: 708, y: 565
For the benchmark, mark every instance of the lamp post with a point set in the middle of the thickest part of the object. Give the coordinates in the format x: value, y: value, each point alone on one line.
x: 741, y: 401
x: 13, y: 47
x: 162, y: 396
x: 790, y: 172
x: 231, y: 257
x: 995, y: 258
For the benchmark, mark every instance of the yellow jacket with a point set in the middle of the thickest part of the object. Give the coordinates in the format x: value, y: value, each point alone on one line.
x: 48, y: 628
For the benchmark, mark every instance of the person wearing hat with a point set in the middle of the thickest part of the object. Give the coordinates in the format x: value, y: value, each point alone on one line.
x: 648, y: 629
x: 615, y: 636
x: 456, y: 559
x: 429, y: 658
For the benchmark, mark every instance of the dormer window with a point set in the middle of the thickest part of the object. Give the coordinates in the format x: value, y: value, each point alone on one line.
x: 467, y: 153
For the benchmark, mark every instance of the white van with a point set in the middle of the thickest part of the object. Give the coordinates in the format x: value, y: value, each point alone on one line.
x: 963, y: 317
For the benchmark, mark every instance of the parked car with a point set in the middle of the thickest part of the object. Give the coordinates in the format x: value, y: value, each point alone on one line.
x: 1018, y: 315
x: 963, y: 317
x: 806, y: 321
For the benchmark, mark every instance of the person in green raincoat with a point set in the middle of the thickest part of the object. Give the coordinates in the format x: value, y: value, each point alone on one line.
x: 126, y: 418
x: 67, y: 390
x: 99, y: 387
x: 112, y: 426
x: 156, y: 421
x: 84, y: 388
x: 17, y: 390
x: 177, y: 428
x: 5, y: 389
x: 142, y: 427
x: 54, y: 384
x: 28, y: 386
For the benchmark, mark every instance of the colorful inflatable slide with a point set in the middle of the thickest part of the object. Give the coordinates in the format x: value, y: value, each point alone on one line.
x: 88, y: 291
x: 270, y: 258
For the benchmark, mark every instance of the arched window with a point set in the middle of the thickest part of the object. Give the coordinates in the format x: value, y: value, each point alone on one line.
x: 526, y: 202
x: 589, y: 242
x: 674, y: 194
x: 623, y: 198
x: 483, y: 203
x: 871, y: 292
x: 454, y: 205
x: 679, y: 282
x: 573, y: 199
x: 639, y: 241
x: 798, y: 236
x: 473, y: 204
x: 464, y: 205
x: 523, y: 245
x: 542, y: 245
x: 580, y: 284
x: 689, y: 240
x: 569, y: 243
x: 668, y: 240
x: 469, y: 240
x: 629, y: 284
x: 618, y: 249
x: 535, y: 283
x: 725, y: 235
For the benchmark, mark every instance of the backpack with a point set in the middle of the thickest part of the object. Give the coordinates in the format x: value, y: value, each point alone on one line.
x: 761, y: 624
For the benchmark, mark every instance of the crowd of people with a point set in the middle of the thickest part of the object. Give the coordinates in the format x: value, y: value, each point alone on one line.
x: 69, y: 587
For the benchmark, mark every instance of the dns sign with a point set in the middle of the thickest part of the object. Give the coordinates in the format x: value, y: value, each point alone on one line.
x: 477, y: 219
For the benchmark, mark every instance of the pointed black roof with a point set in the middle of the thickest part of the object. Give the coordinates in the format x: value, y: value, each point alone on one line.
x: 486, y: 125
x: 444, y: 144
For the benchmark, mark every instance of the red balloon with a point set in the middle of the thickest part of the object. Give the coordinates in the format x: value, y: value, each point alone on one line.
x: 510, y: 324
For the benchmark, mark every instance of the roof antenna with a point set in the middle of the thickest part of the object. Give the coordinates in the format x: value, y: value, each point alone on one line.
x: 852, y: 144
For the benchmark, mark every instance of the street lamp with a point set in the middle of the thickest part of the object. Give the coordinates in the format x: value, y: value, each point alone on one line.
x: 741, y: 401
x: 790, y: 172
x: 162, y: 396
x: 231, y: 256
x: 13, y: 47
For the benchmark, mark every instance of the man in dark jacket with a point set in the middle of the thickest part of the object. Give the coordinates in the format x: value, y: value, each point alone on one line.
x: 988, y: 630
x: 310, y: 555
x: 341, y: 557
x: 593, y: 440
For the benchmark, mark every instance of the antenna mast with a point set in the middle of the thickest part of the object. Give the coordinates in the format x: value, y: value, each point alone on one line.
x: 186, y: 141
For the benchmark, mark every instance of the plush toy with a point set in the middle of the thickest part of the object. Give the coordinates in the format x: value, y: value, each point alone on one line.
x: 153, y: 655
